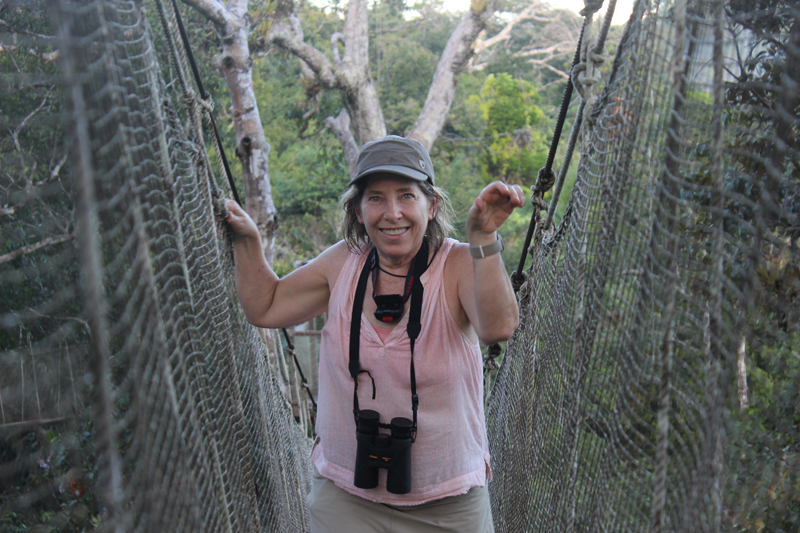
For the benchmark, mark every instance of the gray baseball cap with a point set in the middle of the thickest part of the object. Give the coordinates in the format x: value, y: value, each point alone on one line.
x: 395, y: 155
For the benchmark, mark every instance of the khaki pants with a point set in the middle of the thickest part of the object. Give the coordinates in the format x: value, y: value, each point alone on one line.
x: 334, y: 510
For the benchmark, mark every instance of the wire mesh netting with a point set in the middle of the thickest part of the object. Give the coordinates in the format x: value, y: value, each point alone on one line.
x: 133, y: 395
x: 621, y: 404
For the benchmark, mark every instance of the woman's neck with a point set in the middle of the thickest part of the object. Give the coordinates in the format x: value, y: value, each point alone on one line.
x: 397, y: 267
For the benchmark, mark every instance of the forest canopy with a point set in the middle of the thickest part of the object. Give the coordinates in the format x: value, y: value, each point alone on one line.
x: 484, y: 137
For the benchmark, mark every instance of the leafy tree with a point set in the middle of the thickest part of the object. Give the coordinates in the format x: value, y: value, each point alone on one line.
x: 763, y: 479
x: 514, y: 149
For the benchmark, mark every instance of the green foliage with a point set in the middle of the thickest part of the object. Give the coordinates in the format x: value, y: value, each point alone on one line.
x: 466, y: 119
x: 307, y: 180
x: 763, y: 474
x: 515, y: 151
x: 54, y: 459
x: 304, y: 177
x: 410, y: 66
x: 764, y: 464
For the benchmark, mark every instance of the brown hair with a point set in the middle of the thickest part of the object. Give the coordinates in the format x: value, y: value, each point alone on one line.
x: 355, y: 234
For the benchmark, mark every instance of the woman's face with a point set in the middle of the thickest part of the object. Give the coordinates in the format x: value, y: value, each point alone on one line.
x: 395, y: 213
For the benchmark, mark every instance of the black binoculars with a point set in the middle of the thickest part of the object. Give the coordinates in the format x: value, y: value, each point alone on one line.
x: 378, y: 450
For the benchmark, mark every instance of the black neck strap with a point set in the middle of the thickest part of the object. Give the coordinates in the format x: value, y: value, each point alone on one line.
x: 395, y: 302
x: 413, y: 329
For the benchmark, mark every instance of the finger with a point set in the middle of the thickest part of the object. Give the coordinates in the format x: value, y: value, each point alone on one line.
x: 519, y: 196
x: 233, y: 207
x: 501, y: 195
x: 511, y: 194
x: 499, y: 188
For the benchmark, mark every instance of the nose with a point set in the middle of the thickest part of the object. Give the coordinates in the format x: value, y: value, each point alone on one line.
x: 392, y: 210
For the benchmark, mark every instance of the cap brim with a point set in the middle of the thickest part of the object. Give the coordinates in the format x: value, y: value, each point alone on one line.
x: 393, y: 169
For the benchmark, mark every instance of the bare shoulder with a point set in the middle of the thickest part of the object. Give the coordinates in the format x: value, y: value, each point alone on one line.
x: 458, y: 260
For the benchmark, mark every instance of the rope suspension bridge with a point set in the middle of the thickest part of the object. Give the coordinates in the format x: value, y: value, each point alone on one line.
x: 135, y: 397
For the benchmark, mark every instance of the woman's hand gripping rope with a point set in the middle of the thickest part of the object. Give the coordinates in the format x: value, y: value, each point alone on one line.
x: 240, y: 223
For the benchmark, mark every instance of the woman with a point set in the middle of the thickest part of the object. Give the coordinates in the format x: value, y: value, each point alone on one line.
x: 428, y: 471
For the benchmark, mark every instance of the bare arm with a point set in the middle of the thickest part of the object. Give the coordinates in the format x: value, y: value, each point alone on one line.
x: 484, y: 287
x: 272, y: 302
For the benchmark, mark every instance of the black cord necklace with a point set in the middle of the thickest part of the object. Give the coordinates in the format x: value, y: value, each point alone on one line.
x: 393, y: 275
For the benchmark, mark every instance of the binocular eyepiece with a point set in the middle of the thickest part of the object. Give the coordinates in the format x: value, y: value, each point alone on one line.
x: 379, y: 450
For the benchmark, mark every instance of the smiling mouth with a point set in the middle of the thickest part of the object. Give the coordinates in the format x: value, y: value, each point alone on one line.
x: 394, y: 231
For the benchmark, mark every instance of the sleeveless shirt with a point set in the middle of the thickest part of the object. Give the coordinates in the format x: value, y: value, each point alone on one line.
x: 451, y: 452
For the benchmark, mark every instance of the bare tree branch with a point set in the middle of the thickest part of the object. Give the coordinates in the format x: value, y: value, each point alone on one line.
x: 354, y: 75
x: 340, y: 126
x: 47, y: 57
x: 32, y: 191
x: 349, y: 73
x: 21, y: 37
x: 214, y: 11
x: 25, y: 250
x: 531, y: 12
x: 556, y: 51
x: 233, y: 24
x: 556, y: 40
x: 27, y: 119
x: 544, y: 64
x: 336, y: 39
x: 288, y: 34
x: 23, y: 31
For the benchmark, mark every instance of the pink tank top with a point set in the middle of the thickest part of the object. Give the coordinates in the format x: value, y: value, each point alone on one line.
x: 451, y: 453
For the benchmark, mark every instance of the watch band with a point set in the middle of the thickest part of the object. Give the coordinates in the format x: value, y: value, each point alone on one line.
x: 479, y: 252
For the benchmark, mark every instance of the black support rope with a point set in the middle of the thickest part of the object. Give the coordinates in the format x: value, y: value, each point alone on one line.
x: 547, y: 171
x: 303, y: 379
x: 206, y: 98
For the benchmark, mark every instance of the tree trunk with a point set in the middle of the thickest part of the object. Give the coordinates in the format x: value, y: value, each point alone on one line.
x: 454, y: 58
x: 233, y: 25
x: 355, y: 77
x: 351, y: 73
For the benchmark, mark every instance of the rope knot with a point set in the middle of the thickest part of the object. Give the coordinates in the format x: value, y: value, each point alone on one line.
x: 206, y: 103
x: 188, y: 98
x: 544, y: 181
x: 598, y: 58
x: 538, y: 203
x: 489, y: 361
x: 518, y: 279
x: 587, y: 73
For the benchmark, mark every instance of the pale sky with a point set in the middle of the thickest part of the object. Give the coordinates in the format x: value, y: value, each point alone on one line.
x: 621, y: 13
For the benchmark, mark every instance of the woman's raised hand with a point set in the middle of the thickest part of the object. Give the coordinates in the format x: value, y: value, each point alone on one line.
x: 493, y: 206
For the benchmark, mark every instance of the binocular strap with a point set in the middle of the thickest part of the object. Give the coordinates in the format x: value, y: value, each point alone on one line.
x: 420, y: 265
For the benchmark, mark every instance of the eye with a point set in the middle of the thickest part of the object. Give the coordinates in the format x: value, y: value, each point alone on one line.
x: 409, y: 196
x: 374, y: 198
